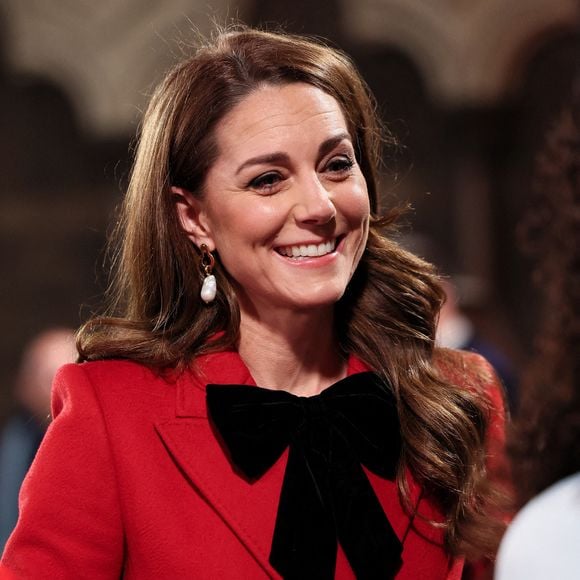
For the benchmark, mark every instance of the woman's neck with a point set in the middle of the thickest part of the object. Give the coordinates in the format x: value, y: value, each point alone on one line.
x: 295, y: 352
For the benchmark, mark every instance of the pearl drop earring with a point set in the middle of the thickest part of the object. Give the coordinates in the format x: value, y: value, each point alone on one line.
x: 209, y: 286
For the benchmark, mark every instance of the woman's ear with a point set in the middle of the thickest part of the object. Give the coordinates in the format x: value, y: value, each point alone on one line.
x: 192, y: 217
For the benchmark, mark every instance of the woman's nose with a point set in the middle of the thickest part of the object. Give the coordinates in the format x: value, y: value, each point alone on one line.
x: 314, y: 204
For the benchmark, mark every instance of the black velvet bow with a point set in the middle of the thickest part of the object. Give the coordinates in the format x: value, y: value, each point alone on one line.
x: 326, y: 495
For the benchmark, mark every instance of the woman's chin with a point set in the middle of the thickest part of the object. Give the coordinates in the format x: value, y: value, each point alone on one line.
x: 314, y: 300
x: 295, y: 304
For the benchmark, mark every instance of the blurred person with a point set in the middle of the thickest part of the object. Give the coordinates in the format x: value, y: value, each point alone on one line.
x: 252, y: 252
x: 456, y: 329
x: 544, y: 539
x: 23, y: 431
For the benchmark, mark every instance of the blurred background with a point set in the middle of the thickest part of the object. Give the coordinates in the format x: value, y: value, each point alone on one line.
x: 468, y: 87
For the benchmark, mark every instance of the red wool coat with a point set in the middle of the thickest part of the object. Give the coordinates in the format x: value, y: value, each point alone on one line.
x: 130, y: 481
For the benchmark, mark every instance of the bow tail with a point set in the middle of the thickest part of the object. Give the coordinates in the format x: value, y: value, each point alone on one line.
x: 304, y: 544
x: 370, y: 544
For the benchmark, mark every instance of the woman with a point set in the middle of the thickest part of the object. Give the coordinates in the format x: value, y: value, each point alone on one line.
x: 251, y: 254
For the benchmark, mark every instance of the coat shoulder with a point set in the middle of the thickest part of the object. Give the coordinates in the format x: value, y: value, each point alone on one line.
x: 471, y: 371
x: 112, y: 372
x: 116, y: 381
x: 465, y: 368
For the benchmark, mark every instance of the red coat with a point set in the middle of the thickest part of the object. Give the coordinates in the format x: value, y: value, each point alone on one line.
x: 130, y: 481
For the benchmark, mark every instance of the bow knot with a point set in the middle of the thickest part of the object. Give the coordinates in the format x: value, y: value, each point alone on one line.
x: 326, y: 496
x: 313, y: 407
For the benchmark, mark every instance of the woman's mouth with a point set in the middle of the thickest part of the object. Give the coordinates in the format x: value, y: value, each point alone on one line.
x: 308, y: 250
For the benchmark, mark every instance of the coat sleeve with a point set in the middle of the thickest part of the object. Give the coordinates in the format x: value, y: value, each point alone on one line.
x: 70, y: 518
x: 497, y: 463
x: 473, y: 372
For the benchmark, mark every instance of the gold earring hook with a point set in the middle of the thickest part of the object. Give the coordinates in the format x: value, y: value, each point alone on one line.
x: 207, y: 260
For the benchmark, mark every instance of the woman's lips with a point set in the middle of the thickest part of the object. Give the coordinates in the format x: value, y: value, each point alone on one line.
x: 308, y: 250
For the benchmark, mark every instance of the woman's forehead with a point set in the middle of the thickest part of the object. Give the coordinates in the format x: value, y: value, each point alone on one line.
x: 273, y: 114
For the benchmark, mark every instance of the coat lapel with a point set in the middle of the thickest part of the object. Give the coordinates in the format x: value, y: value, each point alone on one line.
x: 248, y: 509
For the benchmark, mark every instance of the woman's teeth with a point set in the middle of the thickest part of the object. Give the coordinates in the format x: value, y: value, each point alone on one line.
x: 307, y: 251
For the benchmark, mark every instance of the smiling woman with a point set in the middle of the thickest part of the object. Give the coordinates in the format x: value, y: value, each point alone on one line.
x: 251, y: 252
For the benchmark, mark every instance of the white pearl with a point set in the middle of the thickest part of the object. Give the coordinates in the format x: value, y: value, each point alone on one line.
x: 208, y: 289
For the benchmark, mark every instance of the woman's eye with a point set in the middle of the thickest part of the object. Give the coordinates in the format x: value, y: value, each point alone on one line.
x: 340, y: 165
x: 266, y: 181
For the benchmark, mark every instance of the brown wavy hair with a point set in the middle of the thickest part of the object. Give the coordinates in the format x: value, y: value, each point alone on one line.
x: 545, y: 445
x: 387, y: 316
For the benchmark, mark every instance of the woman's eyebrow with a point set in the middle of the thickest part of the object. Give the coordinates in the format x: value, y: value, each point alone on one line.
x: 280, y: 157
x: 277, y: 157
x: 328, y: 145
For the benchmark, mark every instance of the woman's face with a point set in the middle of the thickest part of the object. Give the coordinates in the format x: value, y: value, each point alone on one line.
x: 285, y: 204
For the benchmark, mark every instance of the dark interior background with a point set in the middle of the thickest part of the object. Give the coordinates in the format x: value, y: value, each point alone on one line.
x: 465, y: 167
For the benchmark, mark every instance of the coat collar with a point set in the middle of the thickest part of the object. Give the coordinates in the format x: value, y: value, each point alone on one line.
x: 192, y: 443
x: 226, y: 367
x: 223, y: 367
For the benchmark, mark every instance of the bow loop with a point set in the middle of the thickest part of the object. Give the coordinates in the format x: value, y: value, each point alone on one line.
x: 326, y: 497
x: 254, y: 424
x: 369, y: 421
